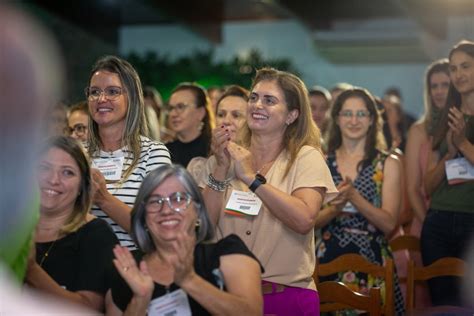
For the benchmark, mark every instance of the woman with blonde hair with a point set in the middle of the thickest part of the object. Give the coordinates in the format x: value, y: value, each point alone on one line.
x: 269, y: 189
x: 121, y: 153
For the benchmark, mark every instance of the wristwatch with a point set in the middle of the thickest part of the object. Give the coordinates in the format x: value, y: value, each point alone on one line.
x: 259, y: 180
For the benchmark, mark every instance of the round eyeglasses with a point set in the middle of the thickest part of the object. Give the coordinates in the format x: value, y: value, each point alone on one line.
x: 110, y: 93
x: 178, y: 202
x: 79, y: 129
x: 180, y: 107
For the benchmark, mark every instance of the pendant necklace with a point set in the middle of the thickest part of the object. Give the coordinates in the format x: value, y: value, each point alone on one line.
x: 46, y: 254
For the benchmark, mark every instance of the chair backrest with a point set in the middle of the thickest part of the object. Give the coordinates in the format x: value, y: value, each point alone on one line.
x: 335, y: 296
x: 355, y: 262
x: 448, y: 266
x: 405, y: 242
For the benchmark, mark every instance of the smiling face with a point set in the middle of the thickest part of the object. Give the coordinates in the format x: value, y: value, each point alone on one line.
x: 267, y: 111
x: 81, y: 120
x: 356, y: 125
x: 59, y: 180
x: 104, y: 111
x: 461, y: 72
x: 231, y: 113
x: 185, y: 117
x: 164, y: 225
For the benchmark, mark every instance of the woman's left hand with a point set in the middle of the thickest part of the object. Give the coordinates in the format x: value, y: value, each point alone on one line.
x: 457, y: 125
x: 183, y: 259
x: 99, y: 186
x: 242, y: 162
x: 346, y: 188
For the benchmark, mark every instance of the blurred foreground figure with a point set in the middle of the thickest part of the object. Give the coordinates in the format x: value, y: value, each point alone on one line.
x: 29, y: 80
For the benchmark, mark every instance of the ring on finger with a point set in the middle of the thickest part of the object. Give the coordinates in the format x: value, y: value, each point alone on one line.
x: 125, y: 269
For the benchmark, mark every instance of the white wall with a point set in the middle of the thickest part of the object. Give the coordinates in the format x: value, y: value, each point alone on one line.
x: 289, y: 39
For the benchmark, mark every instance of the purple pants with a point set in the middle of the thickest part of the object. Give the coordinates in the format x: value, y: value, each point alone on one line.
x: 292, y: 301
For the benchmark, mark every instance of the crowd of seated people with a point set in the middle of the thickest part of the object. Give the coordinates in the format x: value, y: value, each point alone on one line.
x: 125, y: 229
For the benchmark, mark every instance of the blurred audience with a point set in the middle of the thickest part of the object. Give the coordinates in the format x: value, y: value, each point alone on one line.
x: 231, y: 114
x: 78, y: 121
x: 191, y: 118
x: 320, y: 100
x: 153, y: 105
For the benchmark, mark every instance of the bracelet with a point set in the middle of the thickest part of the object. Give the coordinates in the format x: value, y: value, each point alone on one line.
x: 217, y: 185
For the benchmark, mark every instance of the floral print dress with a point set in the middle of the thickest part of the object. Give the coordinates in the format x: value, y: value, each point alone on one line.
x: 353, y: 233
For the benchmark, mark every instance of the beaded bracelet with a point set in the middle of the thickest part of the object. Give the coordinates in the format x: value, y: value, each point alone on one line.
x: 217, y: 185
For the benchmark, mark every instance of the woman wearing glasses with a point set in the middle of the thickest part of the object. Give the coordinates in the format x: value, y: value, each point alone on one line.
x: 368, y: 180
x: 122, y: 155
x: 191, y: 118
x: 78, y: 121
x: 177, y: 271
x: 269, y: 190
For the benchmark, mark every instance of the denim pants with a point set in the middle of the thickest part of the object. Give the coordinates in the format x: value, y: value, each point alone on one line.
x: 446, y: 234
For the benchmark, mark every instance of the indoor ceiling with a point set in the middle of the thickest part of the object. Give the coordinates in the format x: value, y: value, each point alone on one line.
x: 104, y: 17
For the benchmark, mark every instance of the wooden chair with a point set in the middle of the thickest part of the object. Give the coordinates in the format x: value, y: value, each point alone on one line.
x: 405, y: 242
x: 355, y: 262
x: 448, y: 266
x: 335, y: 296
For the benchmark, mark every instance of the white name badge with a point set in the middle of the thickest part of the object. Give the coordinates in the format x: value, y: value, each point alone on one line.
x: 349, y: 208
x: 111, y: 168
x: 172, y: 304
x: 246, y: 203
x: 459, y: 170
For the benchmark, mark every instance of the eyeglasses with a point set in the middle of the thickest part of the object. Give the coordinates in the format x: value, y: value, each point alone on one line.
x: 178, y: 202
x: 361, y: 114
x: 110, y: 93
x: 79, y: 129
x: 180, y: 107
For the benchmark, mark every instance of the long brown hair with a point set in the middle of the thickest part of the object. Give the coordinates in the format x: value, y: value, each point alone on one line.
x: 454, y: 97
x: 303, y: 131
x: 440, y: 65
x: 374, y: 141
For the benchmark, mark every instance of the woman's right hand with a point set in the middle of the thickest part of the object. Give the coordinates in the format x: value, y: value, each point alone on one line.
x: 220, y: 140
x: 138, y: 279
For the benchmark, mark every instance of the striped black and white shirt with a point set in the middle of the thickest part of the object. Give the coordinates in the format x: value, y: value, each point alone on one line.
x: 152, y: 155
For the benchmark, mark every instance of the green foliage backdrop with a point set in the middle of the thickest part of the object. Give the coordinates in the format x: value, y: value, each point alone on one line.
x: 164, y: 74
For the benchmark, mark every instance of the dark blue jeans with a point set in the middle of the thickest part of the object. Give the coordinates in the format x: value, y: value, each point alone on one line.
x: 446, y: 234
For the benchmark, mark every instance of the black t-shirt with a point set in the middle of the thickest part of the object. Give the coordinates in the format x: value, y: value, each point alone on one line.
x: 182, y: 153
x: 82, y: 260
x: 206, y: 265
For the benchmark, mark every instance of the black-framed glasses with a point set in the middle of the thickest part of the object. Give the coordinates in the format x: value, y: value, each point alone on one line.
x: 361, y: 114
x: 177, y: 201
x: 110, y: 93
x: 180, y: 107
x: 79, y: 129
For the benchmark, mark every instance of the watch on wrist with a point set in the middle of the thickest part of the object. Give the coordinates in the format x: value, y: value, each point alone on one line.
x: 259, y: 180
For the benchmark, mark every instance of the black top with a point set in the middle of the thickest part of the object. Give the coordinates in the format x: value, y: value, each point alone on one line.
x: 206, y: 264
x: 182, y: 153
x: 82, y: 260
